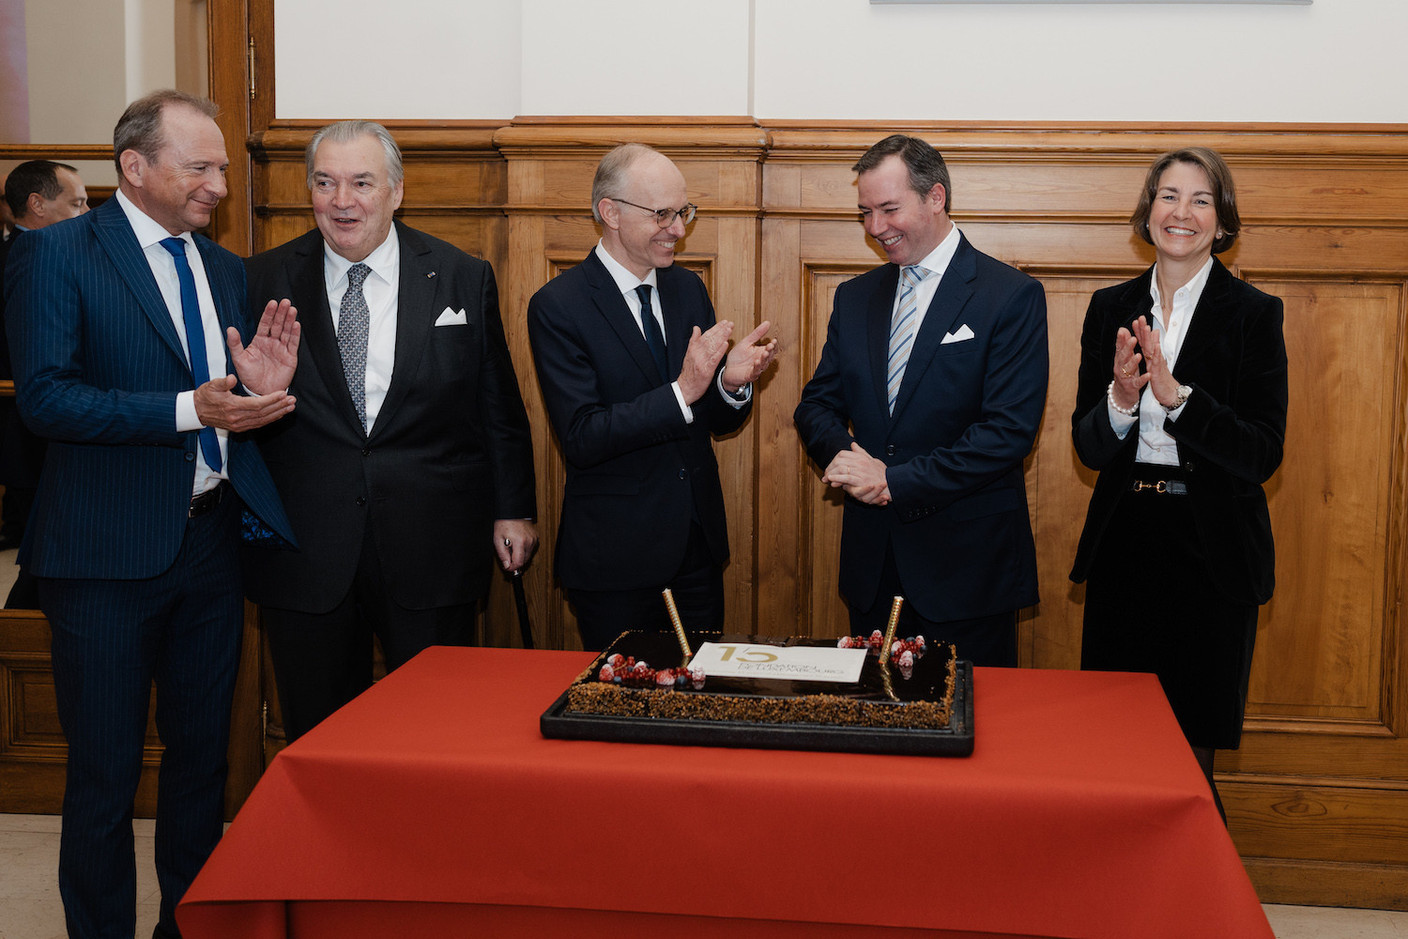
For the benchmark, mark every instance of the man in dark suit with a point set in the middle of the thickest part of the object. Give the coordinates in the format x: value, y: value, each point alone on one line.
x: 409, y: 464
x: 927, y: 398
x: 38, y: 193
x: 135, y: 522
x: 634, y: 399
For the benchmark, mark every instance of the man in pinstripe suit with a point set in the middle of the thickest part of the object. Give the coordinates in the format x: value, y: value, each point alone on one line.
x: 120, y: 322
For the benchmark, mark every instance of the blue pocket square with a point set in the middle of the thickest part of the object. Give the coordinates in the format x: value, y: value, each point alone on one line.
x: 255, y: 532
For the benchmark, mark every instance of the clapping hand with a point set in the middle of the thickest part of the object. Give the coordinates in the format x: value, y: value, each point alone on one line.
x: 747, y: 360
x: 267, y: 364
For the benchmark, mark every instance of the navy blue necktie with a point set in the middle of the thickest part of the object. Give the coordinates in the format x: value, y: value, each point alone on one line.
x: 653, y: 337
x: 195, y: 341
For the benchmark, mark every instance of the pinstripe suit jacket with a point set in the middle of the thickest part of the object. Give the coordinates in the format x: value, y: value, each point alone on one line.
x: 98, y: 366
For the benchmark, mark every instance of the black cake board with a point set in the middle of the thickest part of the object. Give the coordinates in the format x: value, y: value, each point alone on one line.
x: 954, y: 740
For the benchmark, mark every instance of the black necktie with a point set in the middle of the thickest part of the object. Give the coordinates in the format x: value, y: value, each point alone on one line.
x: 653, y: 337
x: 195, y: 341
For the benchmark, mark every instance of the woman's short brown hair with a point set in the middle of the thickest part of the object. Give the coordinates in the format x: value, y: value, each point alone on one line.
x: 1223, y: 193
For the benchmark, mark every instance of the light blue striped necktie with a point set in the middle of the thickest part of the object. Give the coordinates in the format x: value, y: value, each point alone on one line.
x: 903, y: 327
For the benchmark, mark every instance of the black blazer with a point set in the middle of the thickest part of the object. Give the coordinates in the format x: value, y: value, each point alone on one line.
x: 1230, y: 433
x: 449, y: 453
x: 636, y: 471
x: 965, y: 418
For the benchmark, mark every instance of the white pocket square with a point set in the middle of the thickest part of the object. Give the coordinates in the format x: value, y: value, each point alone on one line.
x: 452, y: 318
x: 961, y: 334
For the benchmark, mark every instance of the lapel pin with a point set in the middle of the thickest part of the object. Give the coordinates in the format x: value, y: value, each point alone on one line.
x: 430, y: 274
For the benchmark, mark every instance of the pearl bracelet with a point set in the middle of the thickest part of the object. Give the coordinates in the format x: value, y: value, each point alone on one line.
x: 1110, y: 394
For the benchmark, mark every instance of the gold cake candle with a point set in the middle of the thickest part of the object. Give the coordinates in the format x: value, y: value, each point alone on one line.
x: 679, y: 624
x: 890, y: 629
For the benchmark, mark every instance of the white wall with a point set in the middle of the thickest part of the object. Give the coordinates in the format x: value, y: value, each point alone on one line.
x: 77, y: 79
x: 445, y: 59
x: 1337, y: 60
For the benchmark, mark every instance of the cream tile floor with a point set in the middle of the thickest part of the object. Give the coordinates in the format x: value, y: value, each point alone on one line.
x: 30, y: 907
x: 29, y: 891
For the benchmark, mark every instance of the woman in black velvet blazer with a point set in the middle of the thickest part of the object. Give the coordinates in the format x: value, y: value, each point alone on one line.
x: 1181, y: 407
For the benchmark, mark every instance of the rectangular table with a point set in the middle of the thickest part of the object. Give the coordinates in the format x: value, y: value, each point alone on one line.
x: 432, y: 806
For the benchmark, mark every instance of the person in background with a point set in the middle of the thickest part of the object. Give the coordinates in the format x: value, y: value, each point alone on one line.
x: 1181, y: 407
x: 38, y: 193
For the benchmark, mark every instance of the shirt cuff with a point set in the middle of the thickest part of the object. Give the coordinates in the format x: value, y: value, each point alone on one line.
x: 1120, y: 423
x: 186, y: 412
x: 734, y: 399
x: 685, y: 409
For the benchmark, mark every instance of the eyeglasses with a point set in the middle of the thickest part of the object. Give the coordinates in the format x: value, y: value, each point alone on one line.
x: 665, y: 217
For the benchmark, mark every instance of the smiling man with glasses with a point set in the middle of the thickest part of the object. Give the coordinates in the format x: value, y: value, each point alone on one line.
x: 636, y: 376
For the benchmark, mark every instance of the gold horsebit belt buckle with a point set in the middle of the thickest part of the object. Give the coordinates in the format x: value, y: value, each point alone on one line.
x: 1164, y: 487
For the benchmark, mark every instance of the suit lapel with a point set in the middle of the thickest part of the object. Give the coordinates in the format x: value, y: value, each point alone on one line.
x: 941, y: 318
x: 878, y: 317
x: 306, y: 279
x: 223, y: 291
x: 115, y: 235
x: 1136, y: 301
x: 1209, y: 317
x: 606, y: 296
x: 416, y: 312
x: 679, y: 325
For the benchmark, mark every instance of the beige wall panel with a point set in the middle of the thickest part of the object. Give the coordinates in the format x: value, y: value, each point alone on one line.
x: 781, y: 519
x: 1058, y: 486
x: 1341, y: 824
x: 1322, y: 638
x: 822, y: 505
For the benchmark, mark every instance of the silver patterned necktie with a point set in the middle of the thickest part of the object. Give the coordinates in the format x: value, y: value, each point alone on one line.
x: 903, y: 328
x: 353, y: 325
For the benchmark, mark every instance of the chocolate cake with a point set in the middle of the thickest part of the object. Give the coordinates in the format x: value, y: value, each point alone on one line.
x: 647, y: 676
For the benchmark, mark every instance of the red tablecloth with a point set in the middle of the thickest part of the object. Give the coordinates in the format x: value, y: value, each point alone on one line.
x: 431, y: 806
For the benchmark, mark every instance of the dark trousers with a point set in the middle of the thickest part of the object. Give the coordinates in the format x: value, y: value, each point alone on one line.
x: 698, y: 590
x: 111, y: 640
x: 323, y: 660
x: 984, y: 640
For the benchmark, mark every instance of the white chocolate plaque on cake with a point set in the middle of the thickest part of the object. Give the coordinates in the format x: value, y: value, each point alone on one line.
x: 794, y: 663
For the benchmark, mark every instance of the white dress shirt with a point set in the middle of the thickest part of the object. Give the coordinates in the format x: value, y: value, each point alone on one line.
x: 936, y: 262
x: 150, y: 234
x: 380, y: 290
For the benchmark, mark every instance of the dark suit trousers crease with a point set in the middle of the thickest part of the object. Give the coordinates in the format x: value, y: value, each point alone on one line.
x: 111, y: 640
x: 986, y: 640
x: 323, y: 660
x: 698, y: 590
